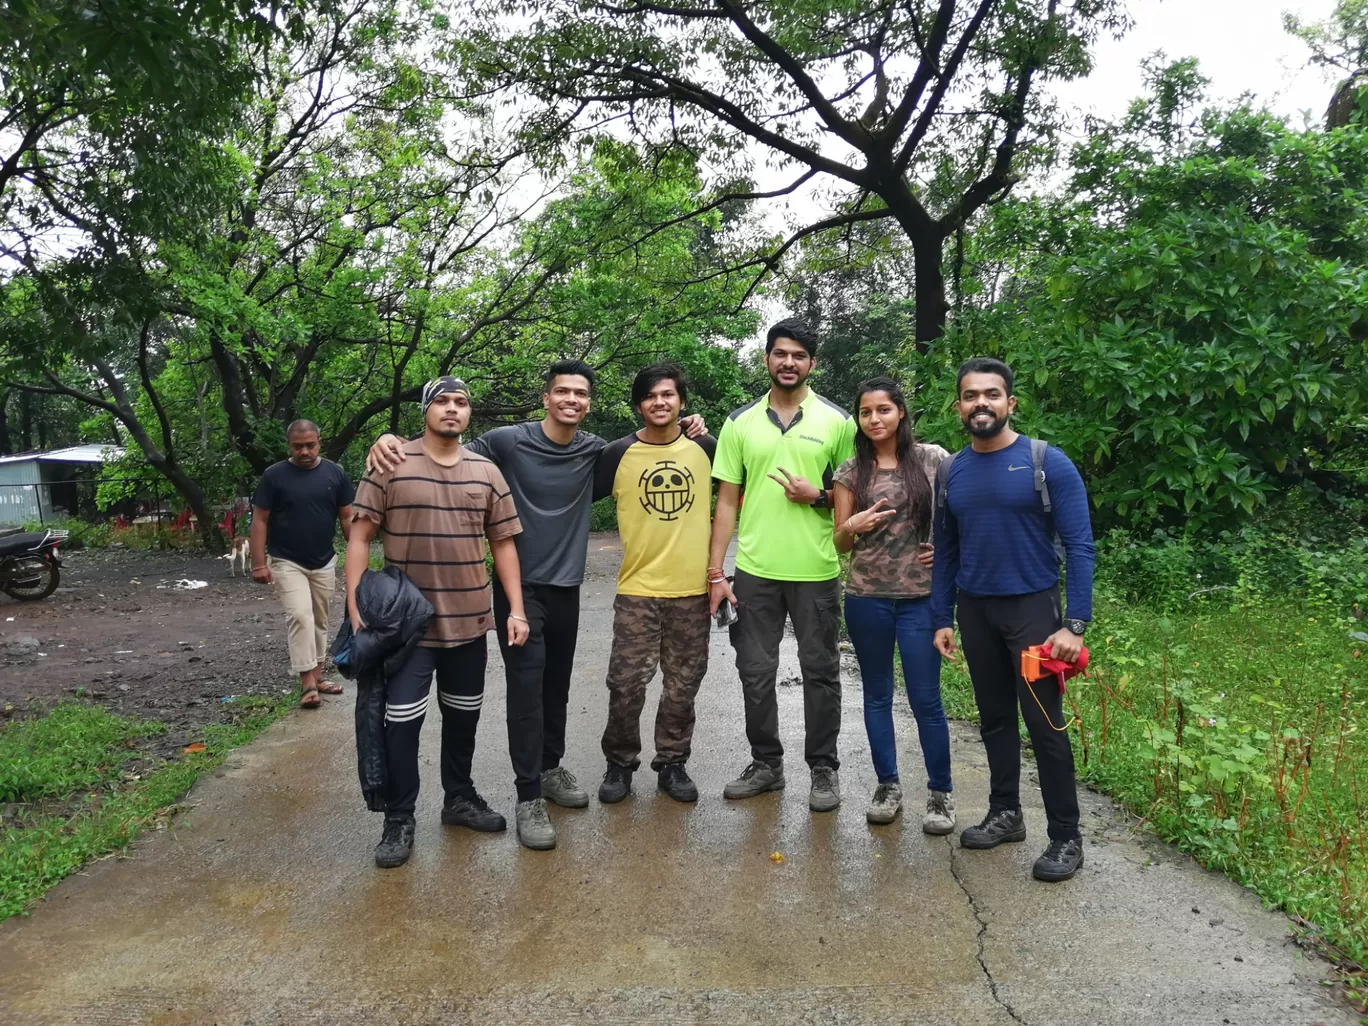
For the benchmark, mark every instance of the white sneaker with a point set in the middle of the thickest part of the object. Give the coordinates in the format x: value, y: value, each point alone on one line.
x: 940, y: 814
x: 886, y: 805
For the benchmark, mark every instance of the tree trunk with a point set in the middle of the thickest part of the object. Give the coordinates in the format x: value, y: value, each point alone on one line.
x: 930, y: 290
x: 4, y: 422
x: 240, y: 427
x: 25, y: 421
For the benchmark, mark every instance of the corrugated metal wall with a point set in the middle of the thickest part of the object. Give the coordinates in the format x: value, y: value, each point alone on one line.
x: 19, y: 505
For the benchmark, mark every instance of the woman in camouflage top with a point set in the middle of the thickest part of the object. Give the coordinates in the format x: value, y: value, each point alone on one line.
x: 888, y: 592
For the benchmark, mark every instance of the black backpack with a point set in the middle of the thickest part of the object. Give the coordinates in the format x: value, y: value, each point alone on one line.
x: 1038, y: 447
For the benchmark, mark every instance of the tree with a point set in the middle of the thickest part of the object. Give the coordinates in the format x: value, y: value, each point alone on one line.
x: 1186, y: 316
x: 920, y: 113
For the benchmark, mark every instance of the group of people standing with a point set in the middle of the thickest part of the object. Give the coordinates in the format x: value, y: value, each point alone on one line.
x: 926, y: 532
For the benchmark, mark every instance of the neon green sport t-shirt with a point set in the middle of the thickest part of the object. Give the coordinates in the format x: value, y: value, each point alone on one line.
x: 778, y: 539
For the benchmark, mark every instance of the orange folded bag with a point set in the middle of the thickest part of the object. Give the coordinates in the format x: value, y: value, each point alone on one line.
x: 1038, y: 662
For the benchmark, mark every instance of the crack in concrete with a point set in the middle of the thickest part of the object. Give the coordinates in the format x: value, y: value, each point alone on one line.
x: 981, y: 936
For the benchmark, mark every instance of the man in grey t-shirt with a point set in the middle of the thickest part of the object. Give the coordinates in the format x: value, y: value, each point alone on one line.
x: 549, y: 466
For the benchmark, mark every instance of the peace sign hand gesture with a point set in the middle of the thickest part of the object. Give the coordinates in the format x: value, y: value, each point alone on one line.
x: 865, y: 521
x: 796, y: 487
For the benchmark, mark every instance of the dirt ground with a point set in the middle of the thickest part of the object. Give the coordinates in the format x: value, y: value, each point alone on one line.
x: 121, y: 633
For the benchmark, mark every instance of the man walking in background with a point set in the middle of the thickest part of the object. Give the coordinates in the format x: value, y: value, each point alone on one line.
x: 1000, y: 505
x: 661, y: 482
x: 295, y: 509
x: 783, y: 449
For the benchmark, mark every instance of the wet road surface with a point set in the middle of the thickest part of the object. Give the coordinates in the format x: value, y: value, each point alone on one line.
x: 262, y: 905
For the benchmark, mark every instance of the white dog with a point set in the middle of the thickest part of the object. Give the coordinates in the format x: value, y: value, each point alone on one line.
x: 239, y: 549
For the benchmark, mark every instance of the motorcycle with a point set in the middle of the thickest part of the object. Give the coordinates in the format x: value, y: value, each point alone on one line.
x: 29, y: 565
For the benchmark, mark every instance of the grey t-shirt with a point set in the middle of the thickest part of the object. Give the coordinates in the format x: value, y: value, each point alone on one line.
x: 553, y: 488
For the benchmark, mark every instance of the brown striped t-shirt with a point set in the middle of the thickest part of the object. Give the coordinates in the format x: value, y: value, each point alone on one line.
x: 435, y: 520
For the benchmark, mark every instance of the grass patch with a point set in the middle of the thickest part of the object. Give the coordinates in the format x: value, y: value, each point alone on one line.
x: 1240, y: 733
x: 65, y: 772
x: 74, y: 747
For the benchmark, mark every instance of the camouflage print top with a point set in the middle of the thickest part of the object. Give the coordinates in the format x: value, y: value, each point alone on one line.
x: 883, y: 563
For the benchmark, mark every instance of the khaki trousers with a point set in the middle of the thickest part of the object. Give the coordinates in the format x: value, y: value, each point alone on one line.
x: 307, y: 598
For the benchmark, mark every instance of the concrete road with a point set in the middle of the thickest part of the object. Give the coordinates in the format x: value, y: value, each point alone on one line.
x: 262, y: 905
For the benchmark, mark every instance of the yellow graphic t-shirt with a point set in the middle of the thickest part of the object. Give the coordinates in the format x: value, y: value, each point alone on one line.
x: 664, y: 507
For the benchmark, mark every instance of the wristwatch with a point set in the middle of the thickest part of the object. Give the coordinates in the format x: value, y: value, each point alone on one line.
x: 821, y: 501
x: 1076, y: 626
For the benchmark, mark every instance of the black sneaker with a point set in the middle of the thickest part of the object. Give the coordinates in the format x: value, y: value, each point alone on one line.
x: 674, y: 780
x: 1061, y: 860
x: 617, y: 784
x: 1000, y: 826
x: 396, y: 843
x: 470, y: 810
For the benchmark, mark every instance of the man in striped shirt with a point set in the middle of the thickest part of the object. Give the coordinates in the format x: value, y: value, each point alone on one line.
x: 436, y: 513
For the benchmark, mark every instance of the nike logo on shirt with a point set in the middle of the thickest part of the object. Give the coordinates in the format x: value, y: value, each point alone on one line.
x: 1010, y: 467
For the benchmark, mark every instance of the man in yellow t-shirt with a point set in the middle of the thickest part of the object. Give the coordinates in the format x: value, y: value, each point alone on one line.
x: 662, y: 483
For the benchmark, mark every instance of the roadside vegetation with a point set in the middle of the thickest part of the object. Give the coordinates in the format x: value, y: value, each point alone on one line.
x: 75, y: 787
x: 1226, y: 707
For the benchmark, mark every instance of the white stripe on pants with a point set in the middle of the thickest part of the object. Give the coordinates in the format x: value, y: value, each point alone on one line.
x: 307, y: 598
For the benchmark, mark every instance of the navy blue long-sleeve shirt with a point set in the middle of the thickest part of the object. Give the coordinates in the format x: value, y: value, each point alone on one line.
x: 995, y: 538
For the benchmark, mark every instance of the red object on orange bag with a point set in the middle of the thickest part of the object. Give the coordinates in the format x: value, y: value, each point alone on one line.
x: 1038, y: 662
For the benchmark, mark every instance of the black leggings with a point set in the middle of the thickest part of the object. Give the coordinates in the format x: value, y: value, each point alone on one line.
x: 994, y: 631
x: 538, y: 677
x: 460, y: 692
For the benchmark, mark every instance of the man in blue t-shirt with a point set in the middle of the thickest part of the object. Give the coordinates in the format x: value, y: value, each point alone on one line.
x: 295, y: 515
x: 996, y: 553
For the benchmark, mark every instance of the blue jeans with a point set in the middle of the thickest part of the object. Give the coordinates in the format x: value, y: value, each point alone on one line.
x: 874, y: 626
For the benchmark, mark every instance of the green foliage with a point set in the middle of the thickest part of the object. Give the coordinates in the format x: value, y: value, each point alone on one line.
x: 1238, y: 734
x: 1189, y: 326
x: 88, y: 809
x: 73, y: 747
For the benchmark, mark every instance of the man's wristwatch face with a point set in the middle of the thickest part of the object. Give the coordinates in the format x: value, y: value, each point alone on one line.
x: 821, y: 501
x: 1076, y: 626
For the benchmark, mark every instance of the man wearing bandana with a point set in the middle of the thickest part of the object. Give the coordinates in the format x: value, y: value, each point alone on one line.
x: 436, y: 513
x: 549, y: 465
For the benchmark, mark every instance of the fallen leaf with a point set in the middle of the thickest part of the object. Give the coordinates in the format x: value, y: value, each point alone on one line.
x: 192, y: 749
x: 777, y: 857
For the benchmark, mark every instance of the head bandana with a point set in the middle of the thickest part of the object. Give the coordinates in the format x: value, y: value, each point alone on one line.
x: 441, y: 386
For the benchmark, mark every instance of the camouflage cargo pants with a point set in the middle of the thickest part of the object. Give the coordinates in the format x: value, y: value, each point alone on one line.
x: 672, y: 633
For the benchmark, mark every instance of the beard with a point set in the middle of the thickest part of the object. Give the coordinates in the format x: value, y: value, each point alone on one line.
x: 446, y: 432
x: 774, y: 380
x: 989, y: 430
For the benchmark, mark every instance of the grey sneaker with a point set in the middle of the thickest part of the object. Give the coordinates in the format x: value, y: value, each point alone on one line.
x: 940, y: 814
x: 826, y: 789
x: 886, y: 805
x: 757, y: 778
x: 535, y: 829
x: 560, y: 786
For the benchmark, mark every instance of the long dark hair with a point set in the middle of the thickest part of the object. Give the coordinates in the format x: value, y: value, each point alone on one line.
x: 909, y: 467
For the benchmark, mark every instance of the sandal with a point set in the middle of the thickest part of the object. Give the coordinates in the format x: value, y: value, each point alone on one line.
x: 309, y: 699
x: 327, y: 687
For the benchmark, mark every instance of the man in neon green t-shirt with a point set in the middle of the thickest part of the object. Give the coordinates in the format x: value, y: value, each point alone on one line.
x: 781, y: 450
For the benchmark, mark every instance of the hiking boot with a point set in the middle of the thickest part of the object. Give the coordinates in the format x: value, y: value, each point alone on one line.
x: 826, y: 789
x: 560, y: 786
x: 940, y: 814
x: 1061, y: 860
x: 674, y: 780
x: 617, y: 784
x: 470, y: 810
x: 1000, y: 826
x: 757, y: 778
x: 396, y: 842
x: 886, y: 805
x: 535, y: 829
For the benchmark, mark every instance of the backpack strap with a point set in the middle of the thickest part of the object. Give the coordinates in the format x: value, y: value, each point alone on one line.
x: 943, y: 482
x: 1038, y: 447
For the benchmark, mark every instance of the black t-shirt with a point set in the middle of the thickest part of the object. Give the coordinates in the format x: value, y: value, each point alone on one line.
x: 304, y: 505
